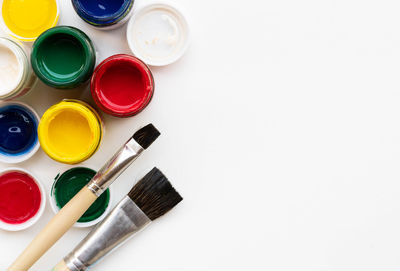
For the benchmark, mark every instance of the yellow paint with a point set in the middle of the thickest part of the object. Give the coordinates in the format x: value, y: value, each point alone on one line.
x: 27, y: 19
x: 70, y: 131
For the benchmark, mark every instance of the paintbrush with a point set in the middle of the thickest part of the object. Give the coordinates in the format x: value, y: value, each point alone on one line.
x: 78, y: 205
x: 149, y: 199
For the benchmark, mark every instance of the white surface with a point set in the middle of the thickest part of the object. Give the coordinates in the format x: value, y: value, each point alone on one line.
x: 281, y: 129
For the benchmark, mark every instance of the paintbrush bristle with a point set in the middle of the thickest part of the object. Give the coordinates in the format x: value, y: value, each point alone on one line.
x: 146, y: 135
x: 154, y: 194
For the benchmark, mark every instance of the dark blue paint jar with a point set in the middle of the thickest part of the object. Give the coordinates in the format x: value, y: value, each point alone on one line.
x: 18, y: 132
x: 104, y: 14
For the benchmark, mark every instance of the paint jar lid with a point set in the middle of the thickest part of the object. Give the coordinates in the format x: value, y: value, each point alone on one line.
x: 63, y: 57
x: 31, y: 221
x: 61, y: 137
x: 158, y: 34
x: 72, y: 183
x: 18, y: 143
x: 27, y: 19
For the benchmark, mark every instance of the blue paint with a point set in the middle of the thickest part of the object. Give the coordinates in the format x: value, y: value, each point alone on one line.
x: 102, y: 12
x: 102, y: 8
x: 18, y: 130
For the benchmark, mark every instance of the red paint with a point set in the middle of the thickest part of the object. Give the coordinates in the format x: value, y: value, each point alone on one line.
x: 19, y: 197
x: 122, y: 85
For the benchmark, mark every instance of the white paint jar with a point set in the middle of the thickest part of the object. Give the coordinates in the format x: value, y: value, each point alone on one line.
x: 158, y: 33
x: 16, y: 75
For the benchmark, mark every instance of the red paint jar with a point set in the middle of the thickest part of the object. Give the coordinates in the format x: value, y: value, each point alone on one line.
x: 22, y: 199
x: 122, y: 85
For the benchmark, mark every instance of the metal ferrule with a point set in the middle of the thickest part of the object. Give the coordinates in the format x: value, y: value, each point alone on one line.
x: 123, y: 222
x: 114, y: 167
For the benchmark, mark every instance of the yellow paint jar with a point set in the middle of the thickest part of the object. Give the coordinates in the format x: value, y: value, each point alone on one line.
x: 27, y: 19
x: 70, y: 131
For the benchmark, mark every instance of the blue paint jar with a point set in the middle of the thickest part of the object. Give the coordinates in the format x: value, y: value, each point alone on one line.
x: 104, y: 14
x: 18, y: 132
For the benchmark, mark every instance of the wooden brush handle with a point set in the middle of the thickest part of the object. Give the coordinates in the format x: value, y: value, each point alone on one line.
x: 54, y: 230
x: 61, y: 266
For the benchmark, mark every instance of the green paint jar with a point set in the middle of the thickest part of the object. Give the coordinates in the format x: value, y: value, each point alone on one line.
x: 68, y: 184
x: 63, y: 57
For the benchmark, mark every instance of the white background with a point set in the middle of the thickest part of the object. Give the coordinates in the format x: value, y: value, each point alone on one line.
x: 281, y: 130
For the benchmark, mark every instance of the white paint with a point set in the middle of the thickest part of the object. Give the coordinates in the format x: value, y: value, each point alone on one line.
x: 11, y: 67
x: 158, y: 34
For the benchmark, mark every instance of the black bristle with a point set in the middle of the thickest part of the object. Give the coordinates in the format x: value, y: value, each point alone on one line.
x: 154, y: 194
x: 146, y: 136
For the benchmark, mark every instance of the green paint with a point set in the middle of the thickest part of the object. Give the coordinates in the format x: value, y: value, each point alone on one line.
x: 63, y: 57
x: 70, y: 183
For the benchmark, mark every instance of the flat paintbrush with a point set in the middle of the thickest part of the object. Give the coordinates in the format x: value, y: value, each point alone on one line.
x: 78, y: 205
x: 149, y: 199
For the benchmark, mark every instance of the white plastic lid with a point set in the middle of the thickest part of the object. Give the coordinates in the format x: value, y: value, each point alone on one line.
x: 158, y: 34
x: 35, y: 218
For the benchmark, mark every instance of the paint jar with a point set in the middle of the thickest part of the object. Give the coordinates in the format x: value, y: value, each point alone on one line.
x: 70, y: 132
x: 22, y: 199
x: 122, y: 85
x: 158, y: 34
x: 63, y: 57
x: 104, y: 14
x: 16, y: 75
x: 27, y: 19
x: 68, y: 184
x: 18, y: 132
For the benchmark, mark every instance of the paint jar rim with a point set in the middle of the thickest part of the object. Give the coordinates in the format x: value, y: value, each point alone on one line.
x: 14, y: 159
x: 23, y: 61
x: 171, y: 7
x: 82, y: 75
x: 118, y: 17
x: 56, y: 209
x: 95, y: 85
x: 29, y: 223
x: 6, y: 29
x: 85, y: 110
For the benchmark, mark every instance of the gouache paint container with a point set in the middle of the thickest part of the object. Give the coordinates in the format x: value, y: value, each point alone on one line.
x: 22, y: 199
x: 16, y: 75
x: 70, y: 132
x: 158, y: 34
x: 63, y: 57
x: 104, y: 14
x: 18, y: 132
x: 122, y: 85
x: 68, y: 184
x: 27, y: 19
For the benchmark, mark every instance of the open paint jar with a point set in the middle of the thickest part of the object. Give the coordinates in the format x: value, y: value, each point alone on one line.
x: 104, y: 14
x: 158, y: 34
x: 18, y: 132
x: 16, y: 75
x: 122, y: 85
x: 68, y: 184
x: 27, y: 19
x: 63, y: 57
x: 22, y: 199
x: 70, y: 131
